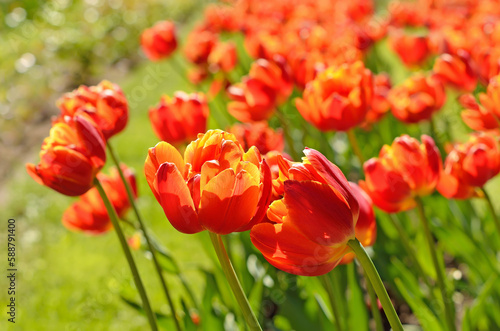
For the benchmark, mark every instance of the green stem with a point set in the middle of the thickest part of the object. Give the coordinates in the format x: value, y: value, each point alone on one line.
x: 146, y: 235
x: 440, y: 274
x: 234, y: 283
x: 492, y: 209
x: 374, y: 278
x: 355, y: 146
x: 405, y: 240
x: 327, y: 284
x: 128, y: 255
x: 379, y: 326
x: 289, y: 140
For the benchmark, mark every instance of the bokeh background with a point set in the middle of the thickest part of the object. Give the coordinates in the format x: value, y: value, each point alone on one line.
x: 66, y: 280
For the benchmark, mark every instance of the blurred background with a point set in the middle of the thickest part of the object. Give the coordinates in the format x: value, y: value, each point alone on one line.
x: 49, y: 48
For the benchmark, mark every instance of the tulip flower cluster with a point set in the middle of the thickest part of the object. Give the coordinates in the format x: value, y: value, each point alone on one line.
x: 306, y: 75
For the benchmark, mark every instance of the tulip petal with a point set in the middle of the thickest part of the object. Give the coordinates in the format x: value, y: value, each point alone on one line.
x: 175, y: 198
x: 265, y: 195
x: 289, y: 250
x: 277, y: 210
x: 91, y: 138
x: 366, y: 227
x: 161, y: 153
x: 67, y: 171
x: 228, y: 202
x: 319, y: 211
x: 435, y: 164
x: 333, y: 176
x: 450, y: 187
x: 387, y: 188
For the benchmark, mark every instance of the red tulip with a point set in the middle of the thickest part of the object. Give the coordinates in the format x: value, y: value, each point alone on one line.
x: 275, y: 73
x: 366, y: 226
x: 306, y: 66
x: 179, y: 119
x: 221, y: 18
x: 263, y: 44
x: 380, y: 105
x: 159, y: 41
x: 403, y: 171
x: 223, y: 57
x: 199, y: 44
x: 309, y: 228
x: 469, y: 166
x: 338, y: 98
x: 89, y: 213
x: 412, y: 49
x: 456, y: 70
x: 267, y: 85
x: 488, y: 61
x: 484, y: 116
x: 260, y: 135
x: 197, y: 74
x: 105, y: 103
x: 417, y: 98
x: 253, y: 100
x: 71, y: 156
x: 215, y: 187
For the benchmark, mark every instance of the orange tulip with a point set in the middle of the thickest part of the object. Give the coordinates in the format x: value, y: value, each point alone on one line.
x: 199, y: 44
x: 215, y: 187
x: 469, y: 166
x: 105, y: 103
x: 403, y: 171
x: 380, y: 105
x: 71, y: 156
x: 221, y: 18
x: 275, y: 73
x: 456, y: 70
x: 159, y: 41
x: 366, y: 226
x: 484, y: 116
x: 223, y: 57
x: 338, y: 98
x: 306, y: 66
x: 179, y: 119
x: 197, y: 74
x: 262, y: 44
x: 488, y: 61
x: 417, y: 98
x: 267, y: 85
x: 412, y: 49
x: 252, y: 100
x: 406, y: 13
x: 309, y: 228
x: 89, y: 213
x: 260, y: 135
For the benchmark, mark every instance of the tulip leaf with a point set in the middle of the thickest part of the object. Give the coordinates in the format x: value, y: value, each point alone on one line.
x: 167, y: 262
x: 475, y: 311
x: 164, y: 321
x: 189, y: 324
x: 358, y: 310
x: 211, y: 310
x: 419, y: 308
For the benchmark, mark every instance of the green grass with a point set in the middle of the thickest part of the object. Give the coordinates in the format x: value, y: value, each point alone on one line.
x: 65, y: 278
